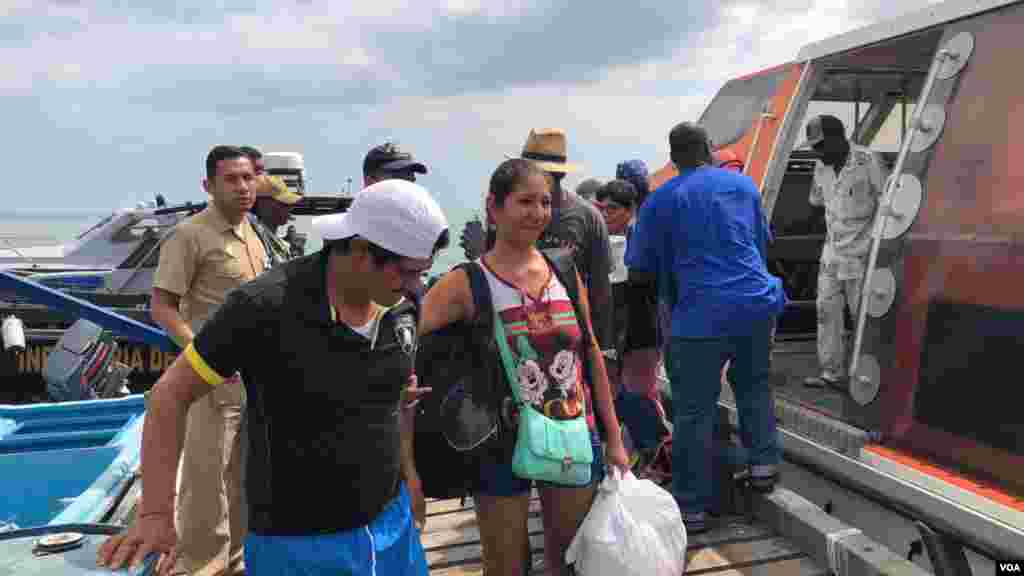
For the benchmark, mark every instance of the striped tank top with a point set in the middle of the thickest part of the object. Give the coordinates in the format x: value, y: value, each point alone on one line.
x: 545, y: 338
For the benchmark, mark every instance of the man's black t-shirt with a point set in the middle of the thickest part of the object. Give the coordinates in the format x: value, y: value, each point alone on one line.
x: 579, y: 228
x: 322, y: 400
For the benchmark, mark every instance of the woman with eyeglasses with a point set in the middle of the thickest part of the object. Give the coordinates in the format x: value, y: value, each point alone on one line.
x: 546, y: 336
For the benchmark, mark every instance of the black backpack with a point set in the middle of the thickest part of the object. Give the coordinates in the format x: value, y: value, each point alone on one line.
x: 465, y: 354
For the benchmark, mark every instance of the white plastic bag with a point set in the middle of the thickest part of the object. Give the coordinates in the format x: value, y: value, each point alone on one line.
x: 634, y: 528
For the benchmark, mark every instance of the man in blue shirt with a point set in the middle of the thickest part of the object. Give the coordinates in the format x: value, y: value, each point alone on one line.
x: 703, y: 237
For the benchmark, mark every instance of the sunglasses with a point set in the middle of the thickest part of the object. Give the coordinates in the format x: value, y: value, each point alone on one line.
x: 407, y: 175
x: 609, y: 205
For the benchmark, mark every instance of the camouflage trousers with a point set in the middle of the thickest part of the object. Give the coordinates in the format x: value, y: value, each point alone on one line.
x: 837, y: 289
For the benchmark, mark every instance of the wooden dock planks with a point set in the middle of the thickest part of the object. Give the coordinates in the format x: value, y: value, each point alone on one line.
x: 731, y: 548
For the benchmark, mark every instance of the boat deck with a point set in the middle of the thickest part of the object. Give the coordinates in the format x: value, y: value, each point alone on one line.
x: 733, y: 546
x: 792, y: 362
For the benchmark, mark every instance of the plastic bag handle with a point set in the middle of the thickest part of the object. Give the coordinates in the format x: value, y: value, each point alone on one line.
x: 615, y: 478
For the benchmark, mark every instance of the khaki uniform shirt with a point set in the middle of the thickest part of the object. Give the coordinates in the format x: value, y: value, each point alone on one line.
x: 203, y: 258
x: 851, y: 202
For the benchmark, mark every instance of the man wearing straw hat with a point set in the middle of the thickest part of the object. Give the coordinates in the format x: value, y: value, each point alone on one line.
x: 577, y: 226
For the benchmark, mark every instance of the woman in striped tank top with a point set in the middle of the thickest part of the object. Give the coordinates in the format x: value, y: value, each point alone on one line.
x: 544, y: 333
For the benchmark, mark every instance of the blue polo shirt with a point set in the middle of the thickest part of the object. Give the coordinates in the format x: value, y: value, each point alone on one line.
x: 705, y: 232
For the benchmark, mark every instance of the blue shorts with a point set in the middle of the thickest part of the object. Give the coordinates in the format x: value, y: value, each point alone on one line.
x: 389, y: 545
x: 499, y: 480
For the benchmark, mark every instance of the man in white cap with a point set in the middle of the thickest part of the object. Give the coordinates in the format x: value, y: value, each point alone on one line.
x: 324, y: 344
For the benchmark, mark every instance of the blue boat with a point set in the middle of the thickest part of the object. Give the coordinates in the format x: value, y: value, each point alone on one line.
x: 69, y: 462
x: 64, y: 549
x: 68, y: 472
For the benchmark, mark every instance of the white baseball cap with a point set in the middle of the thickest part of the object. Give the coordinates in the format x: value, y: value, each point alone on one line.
x: 396, y: 215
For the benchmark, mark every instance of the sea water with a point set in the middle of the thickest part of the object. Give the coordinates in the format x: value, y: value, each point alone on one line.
x: 38, y: 228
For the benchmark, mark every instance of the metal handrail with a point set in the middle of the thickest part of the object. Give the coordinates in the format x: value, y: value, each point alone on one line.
x: 885, y: 206
x: 76, y: 307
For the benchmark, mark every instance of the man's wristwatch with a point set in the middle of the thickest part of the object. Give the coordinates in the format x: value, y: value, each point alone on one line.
x: 610, y: 354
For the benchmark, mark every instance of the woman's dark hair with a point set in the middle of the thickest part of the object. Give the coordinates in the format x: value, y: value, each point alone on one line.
x: 512, y: 173
x: 622, y: 192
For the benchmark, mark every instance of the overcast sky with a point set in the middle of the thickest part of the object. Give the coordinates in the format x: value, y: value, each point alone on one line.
x: 108, y: 103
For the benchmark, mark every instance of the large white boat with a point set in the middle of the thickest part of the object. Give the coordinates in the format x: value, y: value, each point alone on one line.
x: 111, y: 264
x: 921, y: 447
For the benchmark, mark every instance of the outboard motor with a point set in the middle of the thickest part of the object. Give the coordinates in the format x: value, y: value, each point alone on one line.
x: 82, y: 367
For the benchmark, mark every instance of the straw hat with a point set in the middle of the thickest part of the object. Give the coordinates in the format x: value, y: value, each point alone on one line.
x: 547, y: 147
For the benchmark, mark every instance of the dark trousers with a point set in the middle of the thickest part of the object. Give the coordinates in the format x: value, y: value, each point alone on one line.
x: 695, y: 374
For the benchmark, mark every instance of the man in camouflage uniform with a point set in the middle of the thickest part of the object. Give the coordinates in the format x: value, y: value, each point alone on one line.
x: 848, y: 181
x: 274, y: 201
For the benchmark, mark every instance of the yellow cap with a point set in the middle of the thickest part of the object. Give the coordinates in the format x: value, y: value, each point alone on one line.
x: 274, y: 187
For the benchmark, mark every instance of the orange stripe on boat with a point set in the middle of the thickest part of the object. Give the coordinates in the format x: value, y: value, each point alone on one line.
x: 956, y: 478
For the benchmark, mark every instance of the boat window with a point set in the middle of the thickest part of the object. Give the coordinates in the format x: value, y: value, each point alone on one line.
x: 890, y: 134
x: 137, y: 231
x: 850, y: 113
x: 144, y: 253
x: 99, y: 224
x: 734, y: 109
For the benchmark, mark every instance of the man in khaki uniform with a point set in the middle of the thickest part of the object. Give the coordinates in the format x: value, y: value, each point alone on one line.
x: 848, y: 181
x: 203, y: 258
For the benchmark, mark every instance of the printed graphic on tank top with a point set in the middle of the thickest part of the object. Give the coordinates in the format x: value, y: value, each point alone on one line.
x: 544, y: 337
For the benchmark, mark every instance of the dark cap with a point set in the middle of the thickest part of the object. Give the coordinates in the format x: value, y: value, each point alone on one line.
x: 634, y: 172
x: 389, y: 158
x: 821, y: 127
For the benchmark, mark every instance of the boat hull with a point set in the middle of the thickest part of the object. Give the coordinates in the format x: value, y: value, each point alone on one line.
x: 22, y: 371
x: 69, y: 462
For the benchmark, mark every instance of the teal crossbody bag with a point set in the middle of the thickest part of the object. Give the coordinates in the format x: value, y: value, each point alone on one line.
x: 549, y: 450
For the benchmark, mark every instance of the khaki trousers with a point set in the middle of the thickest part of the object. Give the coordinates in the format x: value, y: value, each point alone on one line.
x: 836, y: 290
x: 211, y: 508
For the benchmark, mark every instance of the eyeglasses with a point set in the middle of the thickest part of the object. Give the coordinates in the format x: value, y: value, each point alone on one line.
x: 608, y: 206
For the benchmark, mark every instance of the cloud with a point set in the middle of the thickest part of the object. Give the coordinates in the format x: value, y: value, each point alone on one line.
x: 420, y: 48
x: 150, y: 88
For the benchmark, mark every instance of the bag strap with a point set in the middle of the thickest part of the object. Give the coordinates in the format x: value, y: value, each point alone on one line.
x: 491, y: 389
x: 507, y: 360
x: 481, y: 292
